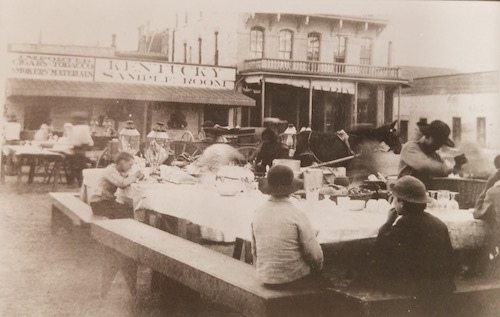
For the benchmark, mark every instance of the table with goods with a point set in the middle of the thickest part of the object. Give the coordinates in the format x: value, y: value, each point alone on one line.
x: 222, y: 204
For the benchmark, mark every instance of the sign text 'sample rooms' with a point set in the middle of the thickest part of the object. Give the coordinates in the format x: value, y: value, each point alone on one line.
x: 74, y: 68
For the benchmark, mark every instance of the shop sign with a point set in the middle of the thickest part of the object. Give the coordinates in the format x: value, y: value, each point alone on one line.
x: 41, y: 66
x: 166, y: 74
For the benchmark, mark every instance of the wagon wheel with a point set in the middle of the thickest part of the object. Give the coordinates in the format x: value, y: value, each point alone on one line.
x: 103, y: 161
x: 248, y: 152
x: 187, y: 136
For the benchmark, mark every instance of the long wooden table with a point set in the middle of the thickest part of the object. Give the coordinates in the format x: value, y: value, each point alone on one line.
x: 232, y: 216
x: 197, y: 211
x: 33, y: 156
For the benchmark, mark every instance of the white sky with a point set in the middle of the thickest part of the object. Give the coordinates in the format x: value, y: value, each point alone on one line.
x: 459, y: 35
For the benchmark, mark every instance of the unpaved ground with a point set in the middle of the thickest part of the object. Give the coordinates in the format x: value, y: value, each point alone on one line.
x: 59, y: 275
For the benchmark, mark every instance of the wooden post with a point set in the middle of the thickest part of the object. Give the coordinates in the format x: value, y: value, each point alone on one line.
x: 297, y: 108
x: 380, y: 120
x: 310, y: 103
x: 355, y: 111
x: 145, y: 121
x: 262, y: 101
x: 399, y: 107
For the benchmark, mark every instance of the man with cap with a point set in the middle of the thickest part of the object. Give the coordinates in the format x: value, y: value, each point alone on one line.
x: 419, y: 158
x: 284, y: 245
x: 415, y: 255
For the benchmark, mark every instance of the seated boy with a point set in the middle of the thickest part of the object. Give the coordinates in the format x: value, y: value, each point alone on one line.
x: 414, y: 255
x: 114, y: 176
x: 284, y: 245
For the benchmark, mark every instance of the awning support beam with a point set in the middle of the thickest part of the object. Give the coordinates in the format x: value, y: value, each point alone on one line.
x: 310, y: 103
x: 262, y: 100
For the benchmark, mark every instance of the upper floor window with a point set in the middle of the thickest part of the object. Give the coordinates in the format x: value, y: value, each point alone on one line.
x: 257, y: 43
x: 199, y: 50
x: 313, y: 46
x: 340, y: 49
x: 286, y: 38
x: 365, y: 56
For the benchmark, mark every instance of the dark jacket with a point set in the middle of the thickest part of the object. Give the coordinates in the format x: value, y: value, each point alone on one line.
x: 415, y: 255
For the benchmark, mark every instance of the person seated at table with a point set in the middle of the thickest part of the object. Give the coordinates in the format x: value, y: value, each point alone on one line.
x: 284, y: 245
x: 66, y: 137
x: 414, y: 255
x: 114, y: 176
x: 495, y: 177
x: 42, y: 134
x: 488, y: 209
x: 419, y: 158
x: 270, y: 149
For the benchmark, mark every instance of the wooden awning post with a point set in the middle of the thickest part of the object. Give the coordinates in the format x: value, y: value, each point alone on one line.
x: 310, y: 103
x: 355, y: 110
x: 262, y: 100
x: 399, y: 107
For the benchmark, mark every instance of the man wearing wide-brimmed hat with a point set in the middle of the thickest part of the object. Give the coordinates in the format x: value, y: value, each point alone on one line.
x: 284, y: 244
x: 415, y: 255
x: 419, y: 158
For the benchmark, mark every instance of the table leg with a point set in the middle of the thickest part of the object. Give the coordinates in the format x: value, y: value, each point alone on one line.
x: 238, y: 247
x: 19, y: 168
x: 248, y: 252
x: 55, y: 174
x: 2, y: 170
x: 31, y: 174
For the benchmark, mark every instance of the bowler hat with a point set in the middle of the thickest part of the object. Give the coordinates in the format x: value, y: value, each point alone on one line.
x: 280, y: 181
x: 439, y: 131
x: 410, y: 189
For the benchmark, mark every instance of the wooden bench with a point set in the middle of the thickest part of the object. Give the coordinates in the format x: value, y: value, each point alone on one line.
x: 473, y: 297
x: 69, y: 211
x: 218, y: 277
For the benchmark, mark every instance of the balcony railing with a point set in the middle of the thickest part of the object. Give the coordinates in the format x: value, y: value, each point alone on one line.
x: 309, y: 67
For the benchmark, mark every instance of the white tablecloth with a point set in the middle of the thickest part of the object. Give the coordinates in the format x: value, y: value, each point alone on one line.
x: 233, y: 215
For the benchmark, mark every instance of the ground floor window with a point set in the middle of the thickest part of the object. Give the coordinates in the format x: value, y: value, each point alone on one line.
x: 403, y: 130
x: 216, y: 115
x: 457, y: 130
x: 481, y: 131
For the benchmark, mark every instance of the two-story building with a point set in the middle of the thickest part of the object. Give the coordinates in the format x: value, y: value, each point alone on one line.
x: 323, y: 71
x: 49, y: 83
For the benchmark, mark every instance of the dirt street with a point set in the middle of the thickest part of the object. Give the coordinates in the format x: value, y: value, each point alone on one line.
x: 59, y: 275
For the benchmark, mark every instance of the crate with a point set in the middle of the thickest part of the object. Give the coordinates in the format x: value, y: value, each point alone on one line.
x: 468, y: 189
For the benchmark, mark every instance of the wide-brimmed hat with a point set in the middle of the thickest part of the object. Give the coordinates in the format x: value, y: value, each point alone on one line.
x: 410, y: 189
x: 280, y: 181
x: 439, y: 131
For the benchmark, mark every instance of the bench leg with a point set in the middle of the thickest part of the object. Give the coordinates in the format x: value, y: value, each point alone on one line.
x: 59, y: 220
x: 176, y: 295
x: 115, y: 262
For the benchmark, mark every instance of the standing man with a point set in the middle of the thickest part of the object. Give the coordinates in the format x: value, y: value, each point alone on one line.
x: 81, y: 140
x: 419, y: 158
x: 414, y: 255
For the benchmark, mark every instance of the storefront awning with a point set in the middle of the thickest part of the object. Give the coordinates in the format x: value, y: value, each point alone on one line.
x: 100, y: 90
x: 325, y: 85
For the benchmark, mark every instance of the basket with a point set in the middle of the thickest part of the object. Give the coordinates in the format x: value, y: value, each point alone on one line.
x: 468, y: 189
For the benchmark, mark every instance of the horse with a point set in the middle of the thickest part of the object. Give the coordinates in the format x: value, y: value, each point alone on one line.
x: 319, y: 147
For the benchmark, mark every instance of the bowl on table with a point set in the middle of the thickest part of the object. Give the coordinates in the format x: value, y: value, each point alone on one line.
x: 356, y: 205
